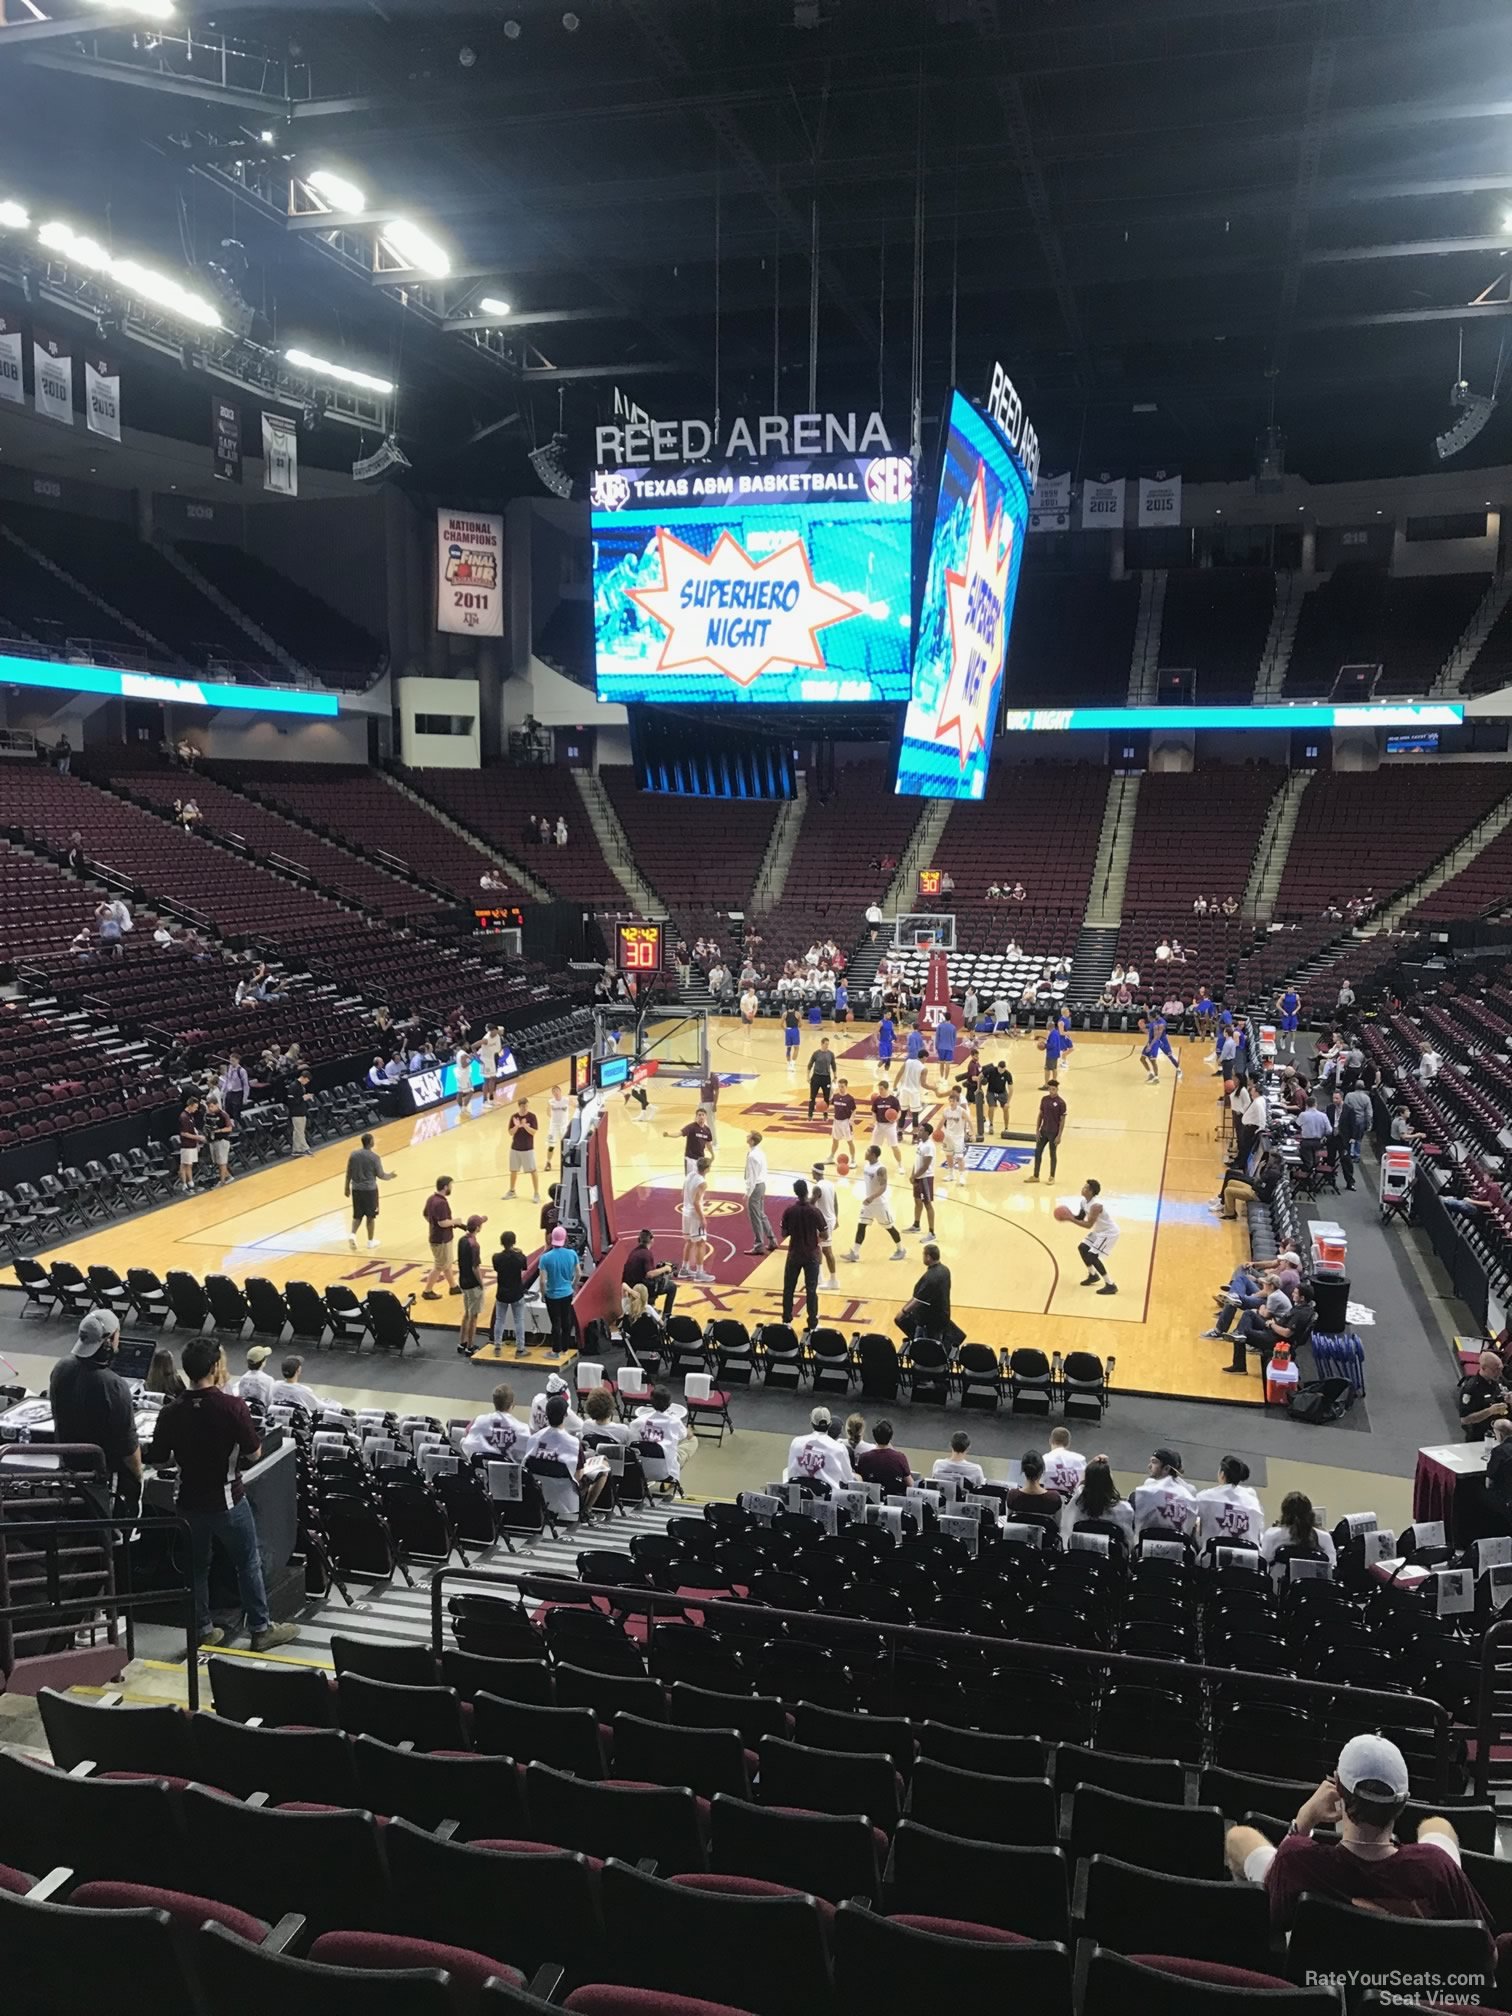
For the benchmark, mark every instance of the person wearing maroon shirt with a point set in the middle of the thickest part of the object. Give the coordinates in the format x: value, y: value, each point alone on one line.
x: 886, y: 1113
x: 1366, y: 1866
x: 441, y: 1232
x: 803, y: 1229
x: 208, y: 1433
x: 709, y: 1093
x: 643, y: 1270
x: 884, y: 1465
x: 842, y: 1121
x: 1048, y: 1130
x: 522, y: 1153
x: 697, y: 1139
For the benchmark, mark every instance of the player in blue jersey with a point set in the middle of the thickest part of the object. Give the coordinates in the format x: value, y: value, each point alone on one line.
x: 792, y: 1036
x: 1157, y: 1043
x: 887, y: 1033
x: 1289, y: 1009
x: 1057, y: 1043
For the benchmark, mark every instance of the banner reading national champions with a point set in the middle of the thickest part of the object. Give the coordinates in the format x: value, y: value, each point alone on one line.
x: 786, y: 581
x: 966, y: 611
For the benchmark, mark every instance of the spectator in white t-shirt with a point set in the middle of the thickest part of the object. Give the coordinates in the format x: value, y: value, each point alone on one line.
x: 291, y: 1391
x: 1229, y: 1512
x: 1165, y: 1505
x: 497, y: 1436
x: 255, y: 1383
x: 557, y: 1444
x: 555, y: 1384
x: 660, y: 1425
x: 1064, y: 1468
x: 1298, y: 1529
x: 957, y: 1465
x: 817, y: 1457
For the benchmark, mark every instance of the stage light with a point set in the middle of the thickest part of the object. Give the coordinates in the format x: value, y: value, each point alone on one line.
x: 572, y: 23
x: 13, y: 217
x: 143, y: 283
x: 512, y: 30
x: 322, y: 367
x: 141, y: 10
x: 491, y: 305
x: 467, y: 56
x: 415, y: 247
x: 336, y: 190
x: 266, y: 136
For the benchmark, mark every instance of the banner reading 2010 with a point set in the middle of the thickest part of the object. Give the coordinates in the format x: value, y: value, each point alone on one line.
x: 469, y: 574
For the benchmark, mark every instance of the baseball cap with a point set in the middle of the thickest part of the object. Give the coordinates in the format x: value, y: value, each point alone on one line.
x: 1372, y: 1765
x: 475, y: 1221
x: 820, y: 1418
x: 1169, y: 1458
x: 259, y: 1355
x: 559, y: 1235
x: 555, y: 1383
x: 99, y: 1328
x: 1288, y: 1259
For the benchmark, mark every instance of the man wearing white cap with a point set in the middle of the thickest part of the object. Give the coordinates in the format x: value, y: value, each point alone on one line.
x: 817, y: 1458
x: 91, y: 1403
x: 555, y: 1383
x: 1366, y: 1865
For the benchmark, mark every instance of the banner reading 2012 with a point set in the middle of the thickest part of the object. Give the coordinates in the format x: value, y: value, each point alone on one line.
x: 469, y: 573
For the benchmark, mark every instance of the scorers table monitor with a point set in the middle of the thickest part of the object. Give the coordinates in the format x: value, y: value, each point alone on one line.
x: 638, y: 948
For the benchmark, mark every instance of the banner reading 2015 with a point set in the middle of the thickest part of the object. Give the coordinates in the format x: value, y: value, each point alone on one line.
x: 469, y: 573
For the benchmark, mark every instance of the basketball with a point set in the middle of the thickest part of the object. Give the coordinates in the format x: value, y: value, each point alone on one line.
x: 842, y: 1164
x: 1063, y: 1214
x: 939, y: 1134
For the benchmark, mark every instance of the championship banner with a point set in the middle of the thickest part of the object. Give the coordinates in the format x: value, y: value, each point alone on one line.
x: 1103, y: 504
x: 225, y: 438
x: 1160, y: 500
x: 469, y: 574
x: 52, y: 378
x: 280, y: 446
x: 11, y: 388
x: 102, y: 398
x: 1052, y: 504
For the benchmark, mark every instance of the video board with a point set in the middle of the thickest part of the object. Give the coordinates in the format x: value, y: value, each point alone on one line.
x: 754, y: 584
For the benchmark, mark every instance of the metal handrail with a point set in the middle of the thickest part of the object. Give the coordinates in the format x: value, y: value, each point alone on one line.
x: 1374, y: 1702
x: 120, y: 1598
x: 1496, y: 1636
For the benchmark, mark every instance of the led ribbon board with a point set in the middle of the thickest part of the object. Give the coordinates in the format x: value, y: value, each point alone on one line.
x: 753, y: 584
x: 63, y: 678
x: 981, y: 517
x: 1424, y: 714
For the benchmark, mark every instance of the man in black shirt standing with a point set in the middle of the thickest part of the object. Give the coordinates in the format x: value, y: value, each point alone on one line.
x: 470, y: 1279
x: 91, y: 1402
x: 208, y: 1433
x: 1483, y: 1398
x: 299, y: 1100
x: 803, y: 1229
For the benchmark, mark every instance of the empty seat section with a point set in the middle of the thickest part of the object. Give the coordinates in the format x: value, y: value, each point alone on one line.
x: 1342, y: 622
x: 338, y: 651
x: 366, y: 810
x: 1482, y: 887
x: 1381, y: 830
x: 1425, y: 618
x: 700, y: 855
x: 1214, y: 623
x: 495, y: 803
x: 53, y: 608
x: 1039, y: 825
x: 1072, y: 639
x: 836, y: 869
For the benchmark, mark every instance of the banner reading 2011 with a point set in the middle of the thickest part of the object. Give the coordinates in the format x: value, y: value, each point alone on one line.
x: 469, y: 573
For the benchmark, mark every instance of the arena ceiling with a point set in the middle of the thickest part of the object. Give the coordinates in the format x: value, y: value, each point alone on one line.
x: 1163, y: 215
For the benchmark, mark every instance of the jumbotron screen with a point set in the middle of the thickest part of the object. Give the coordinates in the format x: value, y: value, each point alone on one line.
x: 754, y: 584
x: 966, y: 612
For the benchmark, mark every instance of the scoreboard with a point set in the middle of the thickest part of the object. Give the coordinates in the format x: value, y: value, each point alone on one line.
x: 638, y: 948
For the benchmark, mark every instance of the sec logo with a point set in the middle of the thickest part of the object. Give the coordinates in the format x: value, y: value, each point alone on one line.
x: 889, y: 480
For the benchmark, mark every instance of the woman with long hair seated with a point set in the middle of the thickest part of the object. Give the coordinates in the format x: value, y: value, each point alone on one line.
x: 1299, y: 1530
x: 1100, y: 1505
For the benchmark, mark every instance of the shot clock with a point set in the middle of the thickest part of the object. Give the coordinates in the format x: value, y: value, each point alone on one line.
x: 638, y: 948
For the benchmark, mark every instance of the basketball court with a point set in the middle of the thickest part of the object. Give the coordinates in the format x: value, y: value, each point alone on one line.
x: 1016, y: 1273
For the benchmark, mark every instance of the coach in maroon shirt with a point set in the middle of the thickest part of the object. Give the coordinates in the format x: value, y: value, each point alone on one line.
x: 208, y: 1433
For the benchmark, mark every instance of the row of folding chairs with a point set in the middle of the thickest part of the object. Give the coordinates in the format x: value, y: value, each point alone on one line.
x: 299, y: 1313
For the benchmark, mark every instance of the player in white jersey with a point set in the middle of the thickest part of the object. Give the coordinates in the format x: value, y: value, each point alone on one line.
x: 953, y: 1121
x: 1100, y: 1239
x: 558, y: 1109
x: 875, y: 1209
x: 825, y: 1202
x: 696, y: 1247
x: 911, y: 1088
